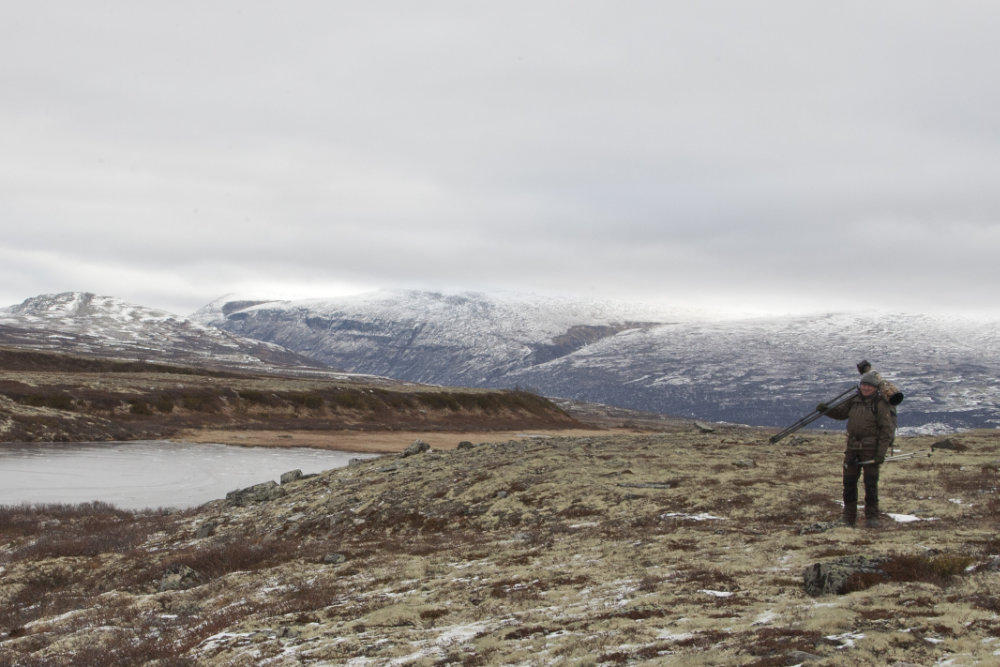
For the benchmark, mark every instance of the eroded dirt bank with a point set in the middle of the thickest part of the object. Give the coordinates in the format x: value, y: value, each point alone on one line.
x: 48, y: 397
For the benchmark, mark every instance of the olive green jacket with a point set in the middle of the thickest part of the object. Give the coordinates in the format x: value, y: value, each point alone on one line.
x: 871, y: 423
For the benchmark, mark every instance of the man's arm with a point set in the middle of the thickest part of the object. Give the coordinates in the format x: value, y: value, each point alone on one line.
x: 838, y: 411
x: 886, y: 429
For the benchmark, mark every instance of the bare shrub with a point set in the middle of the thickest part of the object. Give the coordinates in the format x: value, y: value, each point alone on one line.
x: 708, y: 578
x: 616, y: 658
x: 701, y: 639
x: 39, y: 596
x: 780, y: 641
x: 432, y: 615
x: 517, y: 589
x: 308, y: 400
x: 528, y: 631
x: 578, y: 511
x: 640, y: 613
x: 650, y: 583
x: 221, y: 558
x: 988, y: 600
x: 86, y: 529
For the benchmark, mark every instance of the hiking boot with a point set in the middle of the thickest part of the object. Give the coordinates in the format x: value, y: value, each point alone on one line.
x: 872, y: 518
x: 850, y: 515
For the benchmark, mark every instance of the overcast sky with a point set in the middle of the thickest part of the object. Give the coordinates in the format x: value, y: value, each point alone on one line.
x: 775, y: 156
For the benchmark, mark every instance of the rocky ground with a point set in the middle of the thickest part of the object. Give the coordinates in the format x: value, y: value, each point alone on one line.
x: 683, y: 546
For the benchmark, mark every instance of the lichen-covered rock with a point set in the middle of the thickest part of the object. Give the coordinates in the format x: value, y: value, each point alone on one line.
x: 418, y: 447
x: 257, y: 493
x: 291, y: 476
x: 178, y: 578
x: 832, y: 577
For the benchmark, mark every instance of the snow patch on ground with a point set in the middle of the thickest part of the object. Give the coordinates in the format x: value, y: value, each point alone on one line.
x: 846, y: 640
x: 934, y: 428
x: 716, y: 594
x: 703, y: 516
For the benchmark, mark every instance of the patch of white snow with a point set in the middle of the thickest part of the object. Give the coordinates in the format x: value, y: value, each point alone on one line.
x: 716, y: 594
x: 846, y: 640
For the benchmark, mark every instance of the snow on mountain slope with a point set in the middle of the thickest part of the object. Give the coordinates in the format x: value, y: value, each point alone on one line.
x: 426, y: 336
x: 82, y: 322
x: 768, y: 371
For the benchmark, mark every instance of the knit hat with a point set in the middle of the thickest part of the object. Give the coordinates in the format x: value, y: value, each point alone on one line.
x: 872, y: 378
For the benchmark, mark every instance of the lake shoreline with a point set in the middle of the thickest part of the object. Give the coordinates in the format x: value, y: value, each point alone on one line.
x: 143, y: 474
x: 373, y: 442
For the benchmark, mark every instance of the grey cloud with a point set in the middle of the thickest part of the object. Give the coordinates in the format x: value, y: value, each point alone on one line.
x: 718, y: 152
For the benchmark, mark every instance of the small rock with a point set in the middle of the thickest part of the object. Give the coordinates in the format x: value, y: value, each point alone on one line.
x: 206, y: 529
x: 334, y: 559
x: 465, y: 444
x: 178, y: 578
x: 291, y: 476
x: 418, y: 447
x: 745, y: 463
x: 949, y: 443
x: 820, y: 527
x: 704, y: 428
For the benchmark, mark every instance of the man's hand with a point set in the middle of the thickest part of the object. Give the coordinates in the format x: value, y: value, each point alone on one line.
x: 822, y: 407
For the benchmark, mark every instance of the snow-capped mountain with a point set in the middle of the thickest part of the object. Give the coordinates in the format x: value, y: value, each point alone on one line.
x: 461, y: 339
x: 767, y: 371
x: 81, y: 322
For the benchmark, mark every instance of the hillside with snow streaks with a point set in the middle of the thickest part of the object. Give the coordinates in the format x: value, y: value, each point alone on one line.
x: 771, y: 372
x: 464, y: 339
x: 767, y: 371
x: 85, y: 323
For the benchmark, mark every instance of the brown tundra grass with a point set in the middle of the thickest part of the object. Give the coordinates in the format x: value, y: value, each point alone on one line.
x: 666, y: 548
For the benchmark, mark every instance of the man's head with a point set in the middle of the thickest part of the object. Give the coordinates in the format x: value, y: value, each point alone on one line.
x: 869, y: 384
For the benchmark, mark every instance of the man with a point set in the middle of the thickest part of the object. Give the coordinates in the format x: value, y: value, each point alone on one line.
x: 871, y: 429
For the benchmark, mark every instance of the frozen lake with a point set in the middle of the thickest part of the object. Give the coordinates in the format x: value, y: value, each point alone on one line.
x: 149, y: 473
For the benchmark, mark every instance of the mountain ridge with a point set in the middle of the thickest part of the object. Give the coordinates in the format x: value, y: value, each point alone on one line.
x: 85, y: 323
x: 764, y: 371
x: 760, y: 371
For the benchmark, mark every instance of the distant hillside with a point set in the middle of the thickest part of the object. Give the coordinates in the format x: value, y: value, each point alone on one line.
x: 461, y: 339
x: 766, y: 371
x: 84, y: 323
x: 46, y: 396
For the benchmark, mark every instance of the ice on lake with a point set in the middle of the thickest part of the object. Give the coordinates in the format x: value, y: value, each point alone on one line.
x: 147, y: 474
